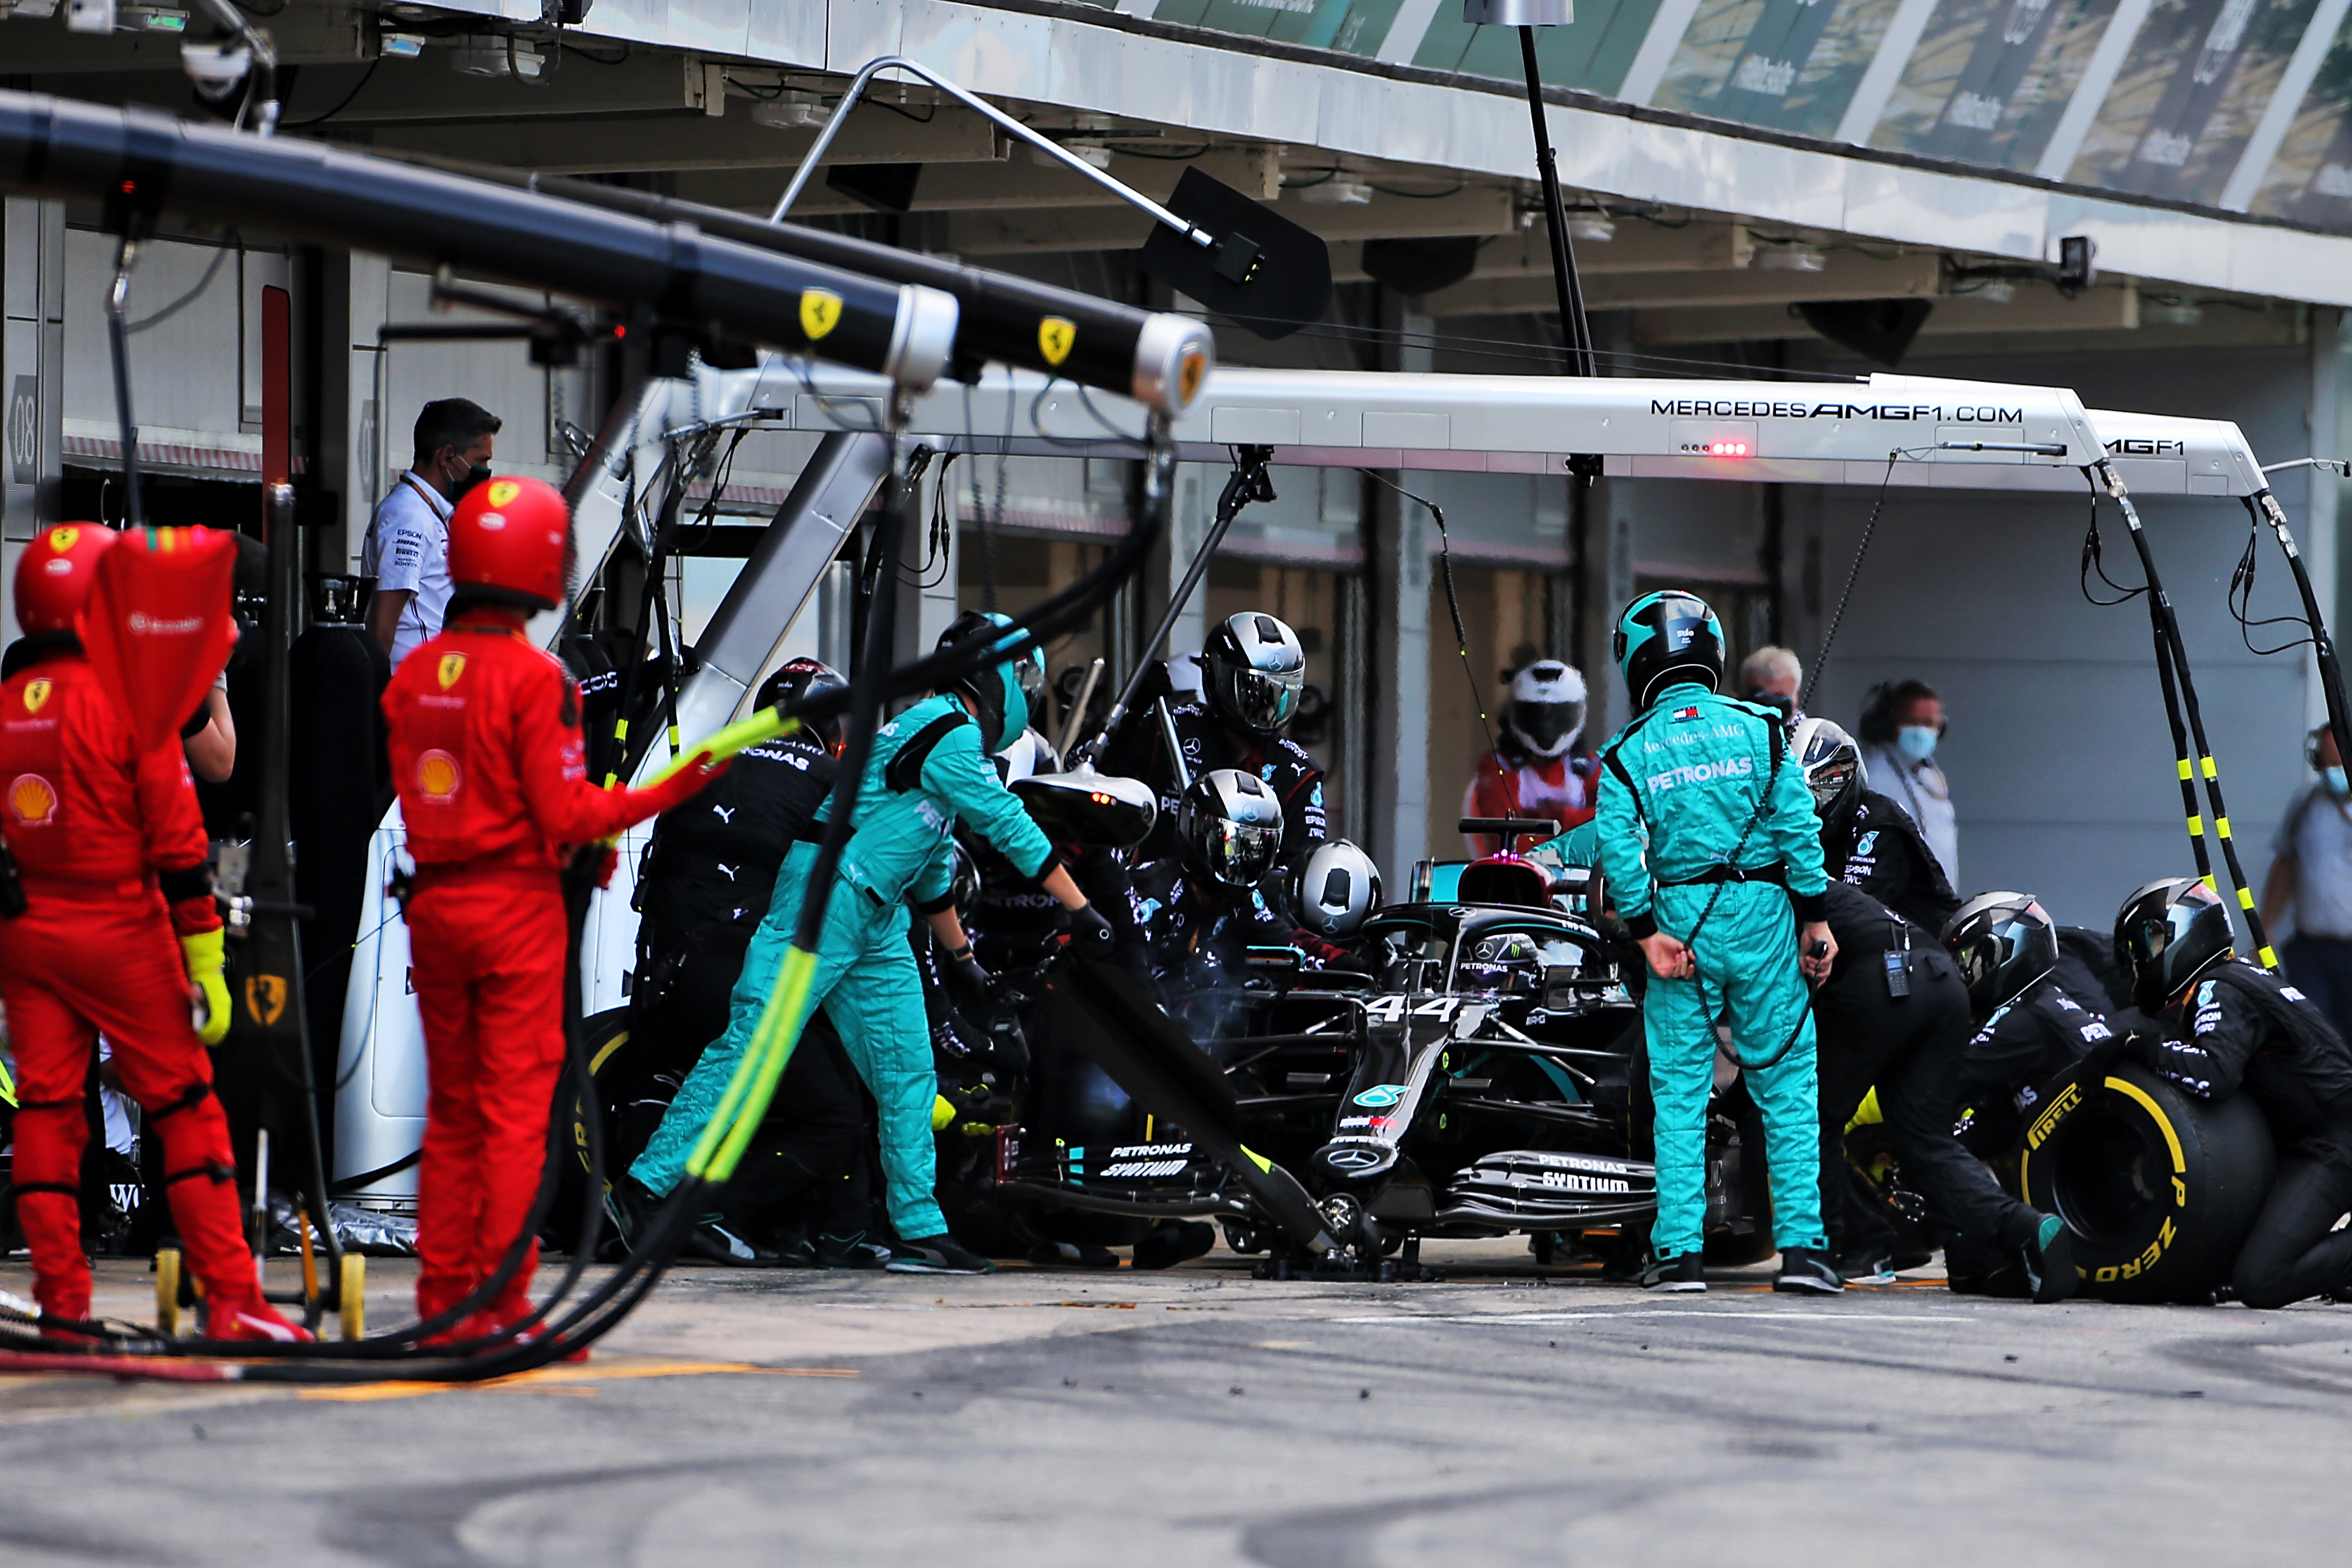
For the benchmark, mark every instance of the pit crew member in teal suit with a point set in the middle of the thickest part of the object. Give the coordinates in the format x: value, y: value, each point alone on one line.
x: 1707, y: 838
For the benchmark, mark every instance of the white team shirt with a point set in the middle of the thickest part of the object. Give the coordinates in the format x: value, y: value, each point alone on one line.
x: 407, y: 549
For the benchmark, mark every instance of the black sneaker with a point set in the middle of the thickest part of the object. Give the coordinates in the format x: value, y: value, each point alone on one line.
x: 935, y: 1255
x: 851, y: 1251
x: 1071, y: 1254
x: 1165, y: 1246
x: 1683, y: 1274
x: 1804, y: 1271
x: 715, y: 1239
x: 2049, y: 1255
x: 631, y: 1207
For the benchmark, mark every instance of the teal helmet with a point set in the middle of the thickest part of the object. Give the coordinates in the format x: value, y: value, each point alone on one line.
x: 1667, y: 638
x: 999, y: 695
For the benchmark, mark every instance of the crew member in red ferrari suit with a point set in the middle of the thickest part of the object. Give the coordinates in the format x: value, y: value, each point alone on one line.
x: 488, y: 757
x: 119, y: 927
x: 1538, y: 771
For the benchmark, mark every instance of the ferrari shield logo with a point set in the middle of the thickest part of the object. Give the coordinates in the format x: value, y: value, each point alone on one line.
x: 1055, y: 337
x: 503, y: 492
x: 452, y: 665
x: 35, y: 693
x: 62, y: 539
x: 820, y: 311
x: 1189, y: 375
x: 264, y: 998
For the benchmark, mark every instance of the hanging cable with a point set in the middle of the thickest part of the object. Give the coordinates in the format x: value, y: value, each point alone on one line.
x: 118, y: 334
x: 2167, y: 627
x: 2095, y: 560
x: 1853, y: 575
x: 1452, y: 603
x: 2264, y: 508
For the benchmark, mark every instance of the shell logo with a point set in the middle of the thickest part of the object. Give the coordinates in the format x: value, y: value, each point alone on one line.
x: 37, y: 694
x: 32, y: 800
x: 452, y: 665
x: 438, y: 777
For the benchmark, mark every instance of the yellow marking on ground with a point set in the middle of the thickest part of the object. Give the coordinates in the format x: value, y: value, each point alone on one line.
x: 550, y: 1379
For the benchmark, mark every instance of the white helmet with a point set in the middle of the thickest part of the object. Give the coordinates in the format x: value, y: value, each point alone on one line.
x: 1029, y: 754
x: 1338, y: 888
x: 1547, y: 711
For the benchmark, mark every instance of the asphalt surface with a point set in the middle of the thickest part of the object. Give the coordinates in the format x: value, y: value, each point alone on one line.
x: 1503, y: 1416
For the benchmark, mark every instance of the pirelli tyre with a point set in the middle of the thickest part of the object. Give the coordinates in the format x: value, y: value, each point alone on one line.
x: 607, y: 1037
x: 2158, y: 1188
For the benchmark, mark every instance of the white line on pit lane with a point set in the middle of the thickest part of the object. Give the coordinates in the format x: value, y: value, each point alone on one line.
x: 1766, y: 1316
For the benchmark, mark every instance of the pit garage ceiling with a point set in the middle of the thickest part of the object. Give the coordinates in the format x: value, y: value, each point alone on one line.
x: 1086, y: 59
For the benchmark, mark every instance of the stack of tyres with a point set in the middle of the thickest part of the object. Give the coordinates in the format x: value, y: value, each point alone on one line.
x: 2159, y: 1188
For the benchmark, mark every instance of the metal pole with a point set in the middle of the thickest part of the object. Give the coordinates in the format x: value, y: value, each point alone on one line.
x: 997, y: 117
x: 1247, y: 484
x: 1573, y: 326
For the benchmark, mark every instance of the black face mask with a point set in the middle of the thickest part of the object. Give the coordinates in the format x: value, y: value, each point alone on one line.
x: 474, y: 474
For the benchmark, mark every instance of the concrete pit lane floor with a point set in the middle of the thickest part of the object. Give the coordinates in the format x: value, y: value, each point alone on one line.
x: 1503, y: 1416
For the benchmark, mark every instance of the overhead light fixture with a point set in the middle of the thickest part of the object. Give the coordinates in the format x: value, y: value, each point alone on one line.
x: 1337, y: 193
x: 2173, y: 313
x: 490, y: 56
x: 1595, y: 229
x: 399, y: 45
x: 1790, y: 259
x: 795, y: 111
x: 2000, y: 291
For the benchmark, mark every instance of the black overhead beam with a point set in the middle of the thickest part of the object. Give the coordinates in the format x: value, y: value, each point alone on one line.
x: 139, y: 164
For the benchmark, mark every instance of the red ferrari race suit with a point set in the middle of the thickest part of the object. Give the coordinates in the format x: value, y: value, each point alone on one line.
x: 110, y: 847
x: 488, y: 757
x: 1512, y: 782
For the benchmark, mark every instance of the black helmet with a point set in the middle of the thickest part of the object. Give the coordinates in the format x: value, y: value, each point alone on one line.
x: 1252, y: 669
x: 1231, y: 825
x: 2168, y: 934
x: 963, y: 882
x: 793, y: 680
x: 1666, y: 639
x: 1832, y: 767
x: 2003, y: 942
x: 1003, y: 697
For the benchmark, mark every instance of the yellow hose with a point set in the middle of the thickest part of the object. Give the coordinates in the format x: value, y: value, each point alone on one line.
x: 729, y: 1133
x: 765, y: 725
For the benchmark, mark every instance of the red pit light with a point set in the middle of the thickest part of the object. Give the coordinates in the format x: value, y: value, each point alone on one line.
x: 1726, y: 449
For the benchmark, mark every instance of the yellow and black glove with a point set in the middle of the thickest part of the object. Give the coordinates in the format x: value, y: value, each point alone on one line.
x: 206, y: 956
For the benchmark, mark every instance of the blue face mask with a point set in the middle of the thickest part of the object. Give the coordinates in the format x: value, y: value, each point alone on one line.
x: 2336, y: 781
x: 1916, y: 741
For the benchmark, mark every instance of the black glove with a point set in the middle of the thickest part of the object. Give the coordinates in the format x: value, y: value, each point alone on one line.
x: 1090, y: 935
x: 2102, y: 1059
x: 968, y: 972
